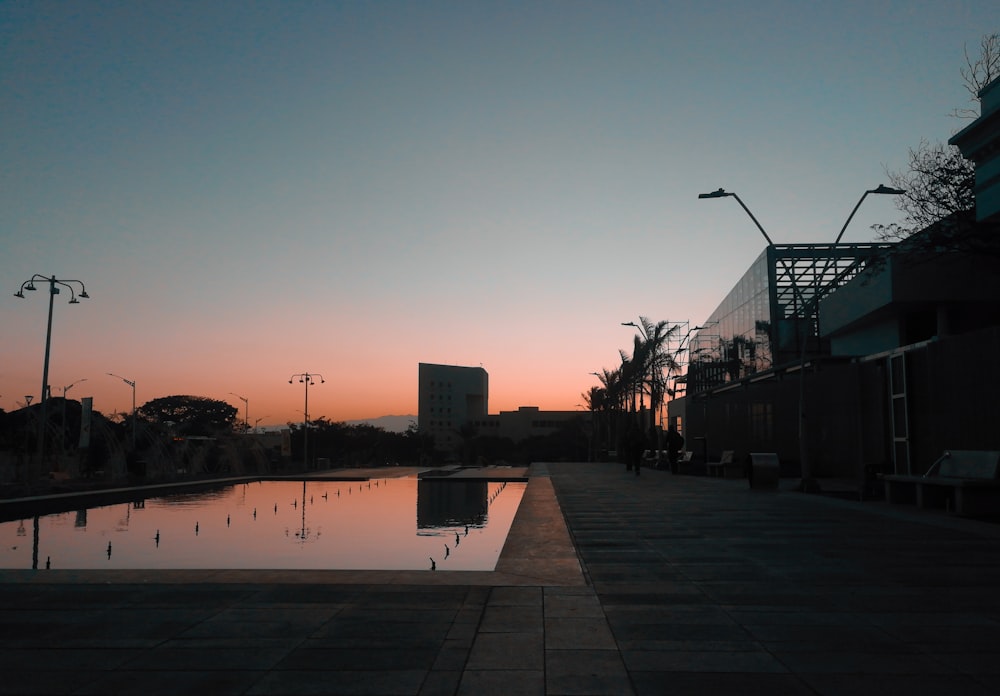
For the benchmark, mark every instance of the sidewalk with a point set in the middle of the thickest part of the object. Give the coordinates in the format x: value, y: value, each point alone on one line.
x: 677, y: 585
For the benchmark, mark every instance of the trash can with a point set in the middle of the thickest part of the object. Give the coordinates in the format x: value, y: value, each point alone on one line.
x: 762, y: 470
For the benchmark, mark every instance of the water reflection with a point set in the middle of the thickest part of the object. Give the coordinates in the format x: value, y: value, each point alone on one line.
x: 385, y: 524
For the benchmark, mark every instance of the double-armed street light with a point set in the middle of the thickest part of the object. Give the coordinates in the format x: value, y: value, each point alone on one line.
x: 807, y: 482
x: 54, y: 289
x: 246, y: 411
x: 131, y: 383
x: 306, y: 378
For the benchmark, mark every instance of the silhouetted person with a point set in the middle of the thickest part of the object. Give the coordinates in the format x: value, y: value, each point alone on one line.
x: 675, y: 443
x: 635, y: 445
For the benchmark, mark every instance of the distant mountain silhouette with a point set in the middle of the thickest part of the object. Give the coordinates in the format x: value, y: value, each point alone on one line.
x: 391, y: 424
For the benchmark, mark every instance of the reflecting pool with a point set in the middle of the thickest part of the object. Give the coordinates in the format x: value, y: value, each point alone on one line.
x: 382, y: 524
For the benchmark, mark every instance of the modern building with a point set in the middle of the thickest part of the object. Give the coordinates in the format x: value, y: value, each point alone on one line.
x: 770, y: 317
x: 893, y: 364
x: 452, y: 403
x: 449, y: 399
x: 849, y: 360
x: 980, y: 142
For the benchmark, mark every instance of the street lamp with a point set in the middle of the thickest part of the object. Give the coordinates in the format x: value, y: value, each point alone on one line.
x: 645, y: 337
x: 131, y: 383
x: 307, y: 379
x: 66, y: 389
x: 246, y: 412
x: 722, y: 193
x: 62, y: 430
x: 257, y: 422
x: 804, y: 464
x: 880, y: 189
x: 54, y: 290
x: 807, y: 483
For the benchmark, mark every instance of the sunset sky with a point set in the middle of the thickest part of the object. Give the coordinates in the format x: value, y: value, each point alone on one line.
x: 253, y: 190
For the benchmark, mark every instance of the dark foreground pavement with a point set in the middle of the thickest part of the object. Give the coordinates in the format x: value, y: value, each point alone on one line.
x: 677, y: 585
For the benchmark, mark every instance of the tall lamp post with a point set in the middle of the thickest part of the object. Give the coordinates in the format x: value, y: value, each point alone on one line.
x: 306, y: 378
x: 62, y: 430
x: 131, y: 383
x: 54, y: 289
x: 807, y: 483
x: 645, y: 337
x: 246, y: 411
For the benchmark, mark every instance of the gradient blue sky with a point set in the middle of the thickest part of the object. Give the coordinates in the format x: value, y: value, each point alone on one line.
x: 252, y: 190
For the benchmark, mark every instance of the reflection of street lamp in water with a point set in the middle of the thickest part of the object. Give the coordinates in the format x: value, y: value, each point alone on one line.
x: 303, y: 534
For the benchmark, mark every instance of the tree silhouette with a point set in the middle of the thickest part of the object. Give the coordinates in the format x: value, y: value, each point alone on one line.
x: 190, y: 415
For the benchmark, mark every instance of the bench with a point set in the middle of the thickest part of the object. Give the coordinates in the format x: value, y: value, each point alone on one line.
x: 965, y: 482
x: 726, y: 467
x: 685, y: 463
x: 763, y: 470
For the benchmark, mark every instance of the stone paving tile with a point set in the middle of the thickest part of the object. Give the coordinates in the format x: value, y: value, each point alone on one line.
x: 170, y: 683
x: 516, y: 596
x: 709, y: 661
x: 504, y: 618
x: 29, y: 682
x: 895, y: 685
x: 582, y: 672
x: 206, y: 659
x: 71, y: 659
x: 573, y: 606
x: 669, y: 614
x: 507, y: 651
x: 338, y: 683
x: 504, y: 682
x: 562, y: 633
x: 852, y: 662
x: 678, y: 632
x: 702, y: 683
x: 309, y: 657
x: 441, y: 683
x: 828, y: 639
x: 452, y: 656
x: 377, y: 635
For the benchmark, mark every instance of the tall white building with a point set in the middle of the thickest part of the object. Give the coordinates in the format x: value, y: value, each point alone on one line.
x: 449, y: 397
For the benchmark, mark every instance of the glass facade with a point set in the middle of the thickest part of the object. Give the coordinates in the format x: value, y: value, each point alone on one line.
x: 770, y: 317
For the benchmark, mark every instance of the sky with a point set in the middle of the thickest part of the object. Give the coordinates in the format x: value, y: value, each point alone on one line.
x: 251, y: 191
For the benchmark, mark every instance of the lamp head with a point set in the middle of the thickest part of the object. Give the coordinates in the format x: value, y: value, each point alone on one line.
x: 73, y: 300
x: 19, y: 294
x: 84, y: 295
x: 720, y: 193
x: 289, y: 381
x: 30, y: 286
x: 888, y: 190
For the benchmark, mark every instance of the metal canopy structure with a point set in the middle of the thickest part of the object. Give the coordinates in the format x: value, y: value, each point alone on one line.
x: 771, y: 317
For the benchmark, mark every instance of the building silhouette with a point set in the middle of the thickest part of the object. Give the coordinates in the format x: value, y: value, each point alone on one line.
x: 452, y: 405
x: 885, y: 355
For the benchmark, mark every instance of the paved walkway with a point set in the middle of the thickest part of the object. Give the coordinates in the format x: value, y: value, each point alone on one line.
x: 659, y: 584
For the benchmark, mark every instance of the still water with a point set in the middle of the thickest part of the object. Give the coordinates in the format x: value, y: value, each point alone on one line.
x: 383, y: 524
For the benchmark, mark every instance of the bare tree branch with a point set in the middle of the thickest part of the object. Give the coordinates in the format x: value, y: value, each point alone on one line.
x: 978, y: 72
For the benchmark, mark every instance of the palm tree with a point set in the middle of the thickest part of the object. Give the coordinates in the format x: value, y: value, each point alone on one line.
x: 614, y: 401
x: 651, y: 359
